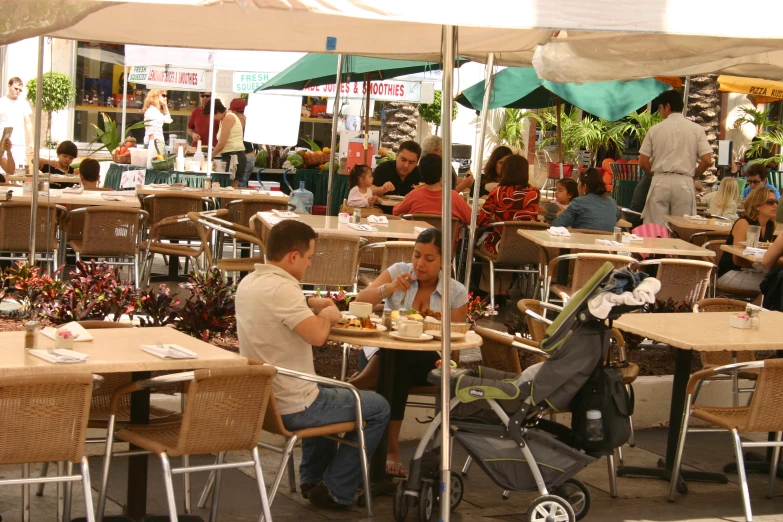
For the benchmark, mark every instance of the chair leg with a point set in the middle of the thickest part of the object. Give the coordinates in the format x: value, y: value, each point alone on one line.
x: 344, y: 367
x: 261, y: 487
x: 287, y: 456
x: 88, y: 509
x: 44, y: 472
x: 773, y: 468
x: 492, y: 284
x: 620, y: 456
x: 632, y: 438
x: 735, y: 436
x: 205, y: 493
x: 612, y: 476
x: 106, y: 467
x: 60, y: 492
x: 291, y: 473
x: 68, y: 492
x: 136, y: 271
x: 186, y: 483
x: 26, y: 493
x: 466, y: 467
x: 216, y: 489
x: 169, y: 485
x: 696, y: 391
x: 680, y: 448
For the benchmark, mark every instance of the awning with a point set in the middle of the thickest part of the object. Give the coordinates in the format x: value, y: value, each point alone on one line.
x: 762, y: 91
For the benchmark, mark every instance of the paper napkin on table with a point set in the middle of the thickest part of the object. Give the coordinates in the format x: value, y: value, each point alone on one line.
x: 722, y: 224
x: 632, y: 237
x: 80, y: 335
x: 62, y: 356
x: 169, y: 351
x: 284, y: 213
x: 750, y: 251
x: 695, y: 218
x: 607, y: 242
x: 559, y: 231
x: 419, y: 230
x: 159, y: 185
x: 362, y: 228
x: 378, y: 219
x: 109, y: 197
x: 78, y: 189
x: 51, y: 194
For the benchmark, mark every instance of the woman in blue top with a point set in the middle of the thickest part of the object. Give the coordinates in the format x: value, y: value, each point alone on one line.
x: 593, y: 209
x: 402, y: 286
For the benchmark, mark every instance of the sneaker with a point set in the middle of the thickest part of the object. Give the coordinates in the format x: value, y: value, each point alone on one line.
x: 306, y: 488
x: 320, y: 497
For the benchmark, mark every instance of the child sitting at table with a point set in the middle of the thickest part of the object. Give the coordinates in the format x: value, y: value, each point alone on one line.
x: 360, y: 180
x: 566, y: 190
x: 90, y: 174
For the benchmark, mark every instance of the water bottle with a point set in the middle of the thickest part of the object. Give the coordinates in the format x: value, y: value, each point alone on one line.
x: 595, y: 427
x: 303, y: 199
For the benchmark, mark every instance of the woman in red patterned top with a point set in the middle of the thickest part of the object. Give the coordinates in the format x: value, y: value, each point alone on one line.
x: 513, y: 200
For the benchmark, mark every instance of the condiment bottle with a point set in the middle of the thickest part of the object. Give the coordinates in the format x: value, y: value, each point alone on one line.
x: 387, y: 319
x: 357, y: 216
x: 31, y: 335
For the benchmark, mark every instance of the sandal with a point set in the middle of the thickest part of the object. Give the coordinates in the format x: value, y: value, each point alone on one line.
x: 396, y: 469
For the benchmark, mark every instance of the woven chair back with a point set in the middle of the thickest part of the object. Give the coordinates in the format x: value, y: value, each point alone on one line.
x: 497, y: 352
x: 111, y: 231
x: 722, y: 304
x: 44, y: 417
x: 74, y: 227
x: 225, y: 409
x: 15, y: 226
x: 335, y: 261
x: 587, y: 265
x: 397, y: 252
x: 715, y: 245
x: 436, y: 220
x: 241, y: 210
x: 513, y: 249
x: 683, y: 280
x: 536, y: 329
x: 766, y: 407
x: 161, y: 206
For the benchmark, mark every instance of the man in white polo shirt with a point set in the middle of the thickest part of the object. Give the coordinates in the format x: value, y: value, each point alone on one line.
x: 671, y: 151
x: 15, y: 112
x: 279, y: 326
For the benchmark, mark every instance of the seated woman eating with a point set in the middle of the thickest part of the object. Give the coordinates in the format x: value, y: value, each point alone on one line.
x: 736, y: 274
x: 410, y: 285
x: 593, y: 209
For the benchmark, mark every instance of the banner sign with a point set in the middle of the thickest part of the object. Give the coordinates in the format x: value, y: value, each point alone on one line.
x: 247, y: 82
x: 387, y: 90
x: 170, y: 77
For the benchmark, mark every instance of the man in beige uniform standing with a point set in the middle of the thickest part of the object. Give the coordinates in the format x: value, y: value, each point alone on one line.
x: 670, y: 152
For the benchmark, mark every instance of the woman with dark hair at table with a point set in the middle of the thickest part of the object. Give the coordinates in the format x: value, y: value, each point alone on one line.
x: 594, y: 209
x: 491, y: 171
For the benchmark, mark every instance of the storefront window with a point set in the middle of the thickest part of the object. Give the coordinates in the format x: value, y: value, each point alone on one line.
x: 100, y: 69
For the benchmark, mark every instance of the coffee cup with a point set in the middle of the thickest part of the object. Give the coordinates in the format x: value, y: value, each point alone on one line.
x: 360, y: 309
x: 408, y: 328
x: 343, y: 217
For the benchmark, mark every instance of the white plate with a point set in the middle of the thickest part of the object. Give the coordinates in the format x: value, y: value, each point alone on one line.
x: 359, y: 333
x: 424, y: 337
x: 455, y: 336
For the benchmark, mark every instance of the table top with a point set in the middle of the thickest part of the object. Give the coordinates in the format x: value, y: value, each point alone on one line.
x: 397, y: 228
x: 147, y: 190
x: 738, y: 251
x: 384, y: 340
x: 88, y: 198
x: 706, y: 331
x: 55, y: 178
x: 114, y: 350
x: 699, y: 225
x: 648, y: 245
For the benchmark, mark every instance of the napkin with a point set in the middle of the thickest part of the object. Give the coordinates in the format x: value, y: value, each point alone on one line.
x: 80, y: 335
x: 159, y: 185
x: 559, y: 231
x: 66, y: 356
x: 109, y: 197
x: 284, y: 213
x: 362, y: 228
x: 750, y: 251
x: 227, y: 189
x: 607, y: 242
x: 632, y: 237
x: 78, y: 189
x: 169, y: 351
x: 695, y: 218
x: 419, y: 230
x: 722, y: 224
x: 51, y: 194
x: 378, y: 219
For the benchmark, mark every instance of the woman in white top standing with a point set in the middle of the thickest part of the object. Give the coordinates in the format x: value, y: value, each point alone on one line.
x: 230, y: 141
x: 724, y: 201
x: 156, y: 113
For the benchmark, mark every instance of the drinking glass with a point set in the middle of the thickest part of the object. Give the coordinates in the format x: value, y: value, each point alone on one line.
x: 752, y: 237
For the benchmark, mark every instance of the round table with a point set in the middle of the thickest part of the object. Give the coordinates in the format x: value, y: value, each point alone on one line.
x: 386, y: 364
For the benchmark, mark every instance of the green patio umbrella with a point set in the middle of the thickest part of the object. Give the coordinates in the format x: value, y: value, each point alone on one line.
x: 320, y: 69
x: 521, y: 88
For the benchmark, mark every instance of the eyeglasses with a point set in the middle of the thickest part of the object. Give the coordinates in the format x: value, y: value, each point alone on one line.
x: 755, y: 182
x: 164, y: 95
x: 206, y: 95
x: 772, y: 202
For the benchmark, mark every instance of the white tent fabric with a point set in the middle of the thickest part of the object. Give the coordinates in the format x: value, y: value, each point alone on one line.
x: 602, y: 57
x: 224, y: 60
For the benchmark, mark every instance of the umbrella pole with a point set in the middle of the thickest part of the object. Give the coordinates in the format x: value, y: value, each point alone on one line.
x: 488, y: 81
x: 212, y: 126
x: 449, y: 44
x: 124, y: 102
x: 367, y: 117
x: 36, y: 147
x: 559, y: 138
x: 335, y: 117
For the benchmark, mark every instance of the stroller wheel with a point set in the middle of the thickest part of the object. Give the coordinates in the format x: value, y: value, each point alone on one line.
x: 577, y: 495
x: 400, y: 507
x: 426, y: 502
x: 550, y: 508
x: 457, y: 490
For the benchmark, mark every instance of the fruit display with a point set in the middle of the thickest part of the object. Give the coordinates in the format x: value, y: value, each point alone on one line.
x: 384, y: 155
x: 122, y: 153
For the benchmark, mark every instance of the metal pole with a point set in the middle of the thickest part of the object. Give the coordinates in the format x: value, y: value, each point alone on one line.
x: 367, y: 118
x: 449, y: 44
x: 335, y: 117
x: 36, y: 148
x: 685, y: 93
x: 124, y: 101
x: 212, y: 126
x: 488, y: 81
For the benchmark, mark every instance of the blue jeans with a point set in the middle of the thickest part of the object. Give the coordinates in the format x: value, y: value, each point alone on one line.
x: 339, y: 469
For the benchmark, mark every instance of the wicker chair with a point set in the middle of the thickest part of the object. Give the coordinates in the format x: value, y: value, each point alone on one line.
x: 240, y: 211
x: 513, y: 252
x: 762, y: 414
x: 715, y: 359
x: 498, y: 352
x: 700, y: 238
x: 237, y: 233
x: 223, y: 412
x: 110, y: 232
x: 273, y: 423
x: 390, y: 252
x: 436, y: 220
x: 682, y: 279
x: 45, y: 419
x: 15, y: 231
x: 335, y: 261
x: 585, y: 265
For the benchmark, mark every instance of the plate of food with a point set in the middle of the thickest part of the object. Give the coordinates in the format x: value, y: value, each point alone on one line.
x: 358, y: 326
x: 422, y: 338
x: 395, y: 197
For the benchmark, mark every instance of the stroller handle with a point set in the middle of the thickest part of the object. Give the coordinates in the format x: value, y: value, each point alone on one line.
x: 530, y: 349
x: 538, y: 318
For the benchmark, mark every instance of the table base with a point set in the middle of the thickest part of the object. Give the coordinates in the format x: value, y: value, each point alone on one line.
x: 661, y: 472
x: 754, y: 463
x: 136, y: 507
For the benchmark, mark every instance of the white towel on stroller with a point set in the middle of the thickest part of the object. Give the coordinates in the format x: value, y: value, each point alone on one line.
x: 602, y: 303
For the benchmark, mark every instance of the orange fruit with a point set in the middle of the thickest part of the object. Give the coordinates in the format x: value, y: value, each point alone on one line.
x: 633, y: 162
x: 607, y: 164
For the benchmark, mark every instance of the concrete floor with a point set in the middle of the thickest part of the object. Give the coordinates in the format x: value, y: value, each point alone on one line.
x: 638, y: 500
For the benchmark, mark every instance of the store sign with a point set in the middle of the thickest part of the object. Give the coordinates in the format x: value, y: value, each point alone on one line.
x: 387, y: 90
x: 171, y: 77
x: 247, y: 82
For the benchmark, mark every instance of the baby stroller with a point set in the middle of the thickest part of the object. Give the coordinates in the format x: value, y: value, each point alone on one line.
x: 498, y: 419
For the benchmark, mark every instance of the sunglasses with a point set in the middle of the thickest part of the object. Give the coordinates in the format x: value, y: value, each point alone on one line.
x: 772, y: 202
x: 206, y: 95
x: 164, y: 95
x: 755, y: 182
